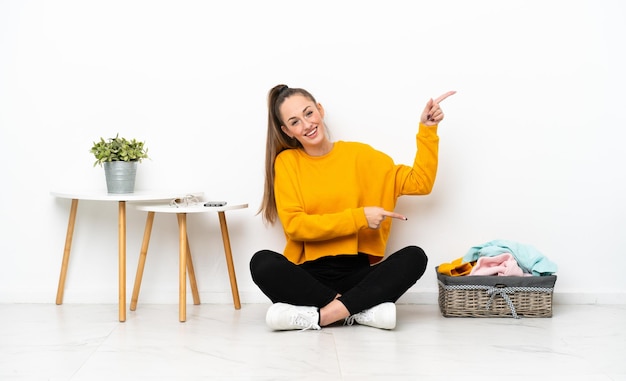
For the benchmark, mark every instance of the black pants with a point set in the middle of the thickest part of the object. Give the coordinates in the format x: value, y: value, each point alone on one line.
x: 316, y: 283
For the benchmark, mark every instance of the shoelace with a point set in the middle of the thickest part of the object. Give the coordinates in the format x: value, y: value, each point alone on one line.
x: 305, y: 321
x: 361, y: 316
x: 349, y: 320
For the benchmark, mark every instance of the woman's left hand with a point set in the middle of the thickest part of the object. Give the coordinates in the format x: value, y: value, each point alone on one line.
x: 432, y: 113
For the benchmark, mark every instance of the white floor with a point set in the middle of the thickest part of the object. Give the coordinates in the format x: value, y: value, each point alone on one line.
x: 86, y: 342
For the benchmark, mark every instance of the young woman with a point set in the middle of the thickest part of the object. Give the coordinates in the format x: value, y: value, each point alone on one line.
x: 335, y: 201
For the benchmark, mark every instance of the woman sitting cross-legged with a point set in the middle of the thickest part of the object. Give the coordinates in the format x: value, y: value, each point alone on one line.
x: 336, y: 201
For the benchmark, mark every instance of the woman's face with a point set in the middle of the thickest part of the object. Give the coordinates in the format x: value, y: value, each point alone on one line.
x: 304, y: 121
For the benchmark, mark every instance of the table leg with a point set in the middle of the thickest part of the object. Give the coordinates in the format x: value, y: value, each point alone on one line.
x: 142, y: 260
x: 122, y: 259
x: 182, y: 269
x: 66, y: 251
x: 229, y: 260
x: 192, y: 276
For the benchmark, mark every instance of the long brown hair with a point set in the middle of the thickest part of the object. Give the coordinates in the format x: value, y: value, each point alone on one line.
x: 277, y: 141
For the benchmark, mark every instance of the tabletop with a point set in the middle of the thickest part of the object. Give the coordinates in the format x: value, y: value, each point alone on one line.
x: 197, y: 208
x: 140, y: 195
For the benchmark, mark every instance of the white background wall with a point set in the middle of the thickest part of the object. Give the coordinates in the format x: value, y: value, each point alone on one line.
x: 531, y: 147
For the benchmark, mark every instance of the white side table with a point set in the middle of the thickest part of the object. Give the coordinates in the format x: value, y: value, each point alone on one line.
x: 121, y: 199
x: 185, y: 261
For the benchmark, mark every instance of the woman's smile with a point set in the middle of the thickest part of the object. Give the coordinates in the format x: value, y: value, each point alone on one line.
x: 312, y: 133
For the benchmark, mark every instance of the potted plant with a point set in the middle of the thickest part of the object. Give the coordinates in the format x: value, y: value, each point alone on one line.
x: 119, y: 157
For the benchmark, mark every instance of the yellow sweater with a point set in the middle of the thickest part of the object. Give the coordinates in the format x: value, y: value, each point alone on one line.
x: 320, y: 200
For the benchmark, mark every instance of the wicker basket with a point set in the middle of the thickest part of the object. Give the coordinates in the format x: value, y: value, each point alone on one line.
x: 495, y: 296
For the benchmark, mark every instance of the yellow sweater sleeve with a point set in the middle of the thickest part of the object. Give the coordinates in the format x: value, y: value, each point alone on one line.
x: 320, y: 200
x: 420, y: 179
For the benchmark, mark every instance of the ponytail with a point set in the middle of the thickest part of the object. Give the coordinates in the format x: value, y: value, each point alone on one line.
x: 277, y: 141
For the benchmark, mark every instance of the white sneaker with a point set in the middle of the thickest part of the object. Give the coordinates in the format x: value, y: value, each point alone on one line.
x: 282, y: 317
x: 380, y: 316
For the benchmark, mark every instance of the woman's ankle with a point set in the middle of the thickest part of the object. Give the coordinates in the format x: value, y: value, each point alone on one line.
x: 333, y: 312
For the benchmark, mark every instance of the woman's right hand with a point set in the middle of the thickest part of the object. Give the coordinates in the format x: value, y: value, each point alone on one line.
x: 375, y: 215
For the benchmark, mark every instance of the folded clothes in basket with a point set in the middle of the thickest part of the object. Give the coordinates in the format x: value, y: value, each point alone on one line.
x: 500, y: 265
x: 529, y: 259
x: 455, y: 268
x: 496, y: 279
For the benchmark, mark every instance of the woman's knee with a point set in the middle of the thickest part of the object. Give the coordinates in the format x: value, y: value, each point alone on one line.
x: 415, y: 258
x: 263, y: 263
x: 260, y: 259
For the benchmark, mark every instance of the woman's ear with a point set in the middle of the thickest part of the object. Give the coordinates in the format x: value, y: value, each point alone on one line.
x: 320, y: 108
x: 286, y: 131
